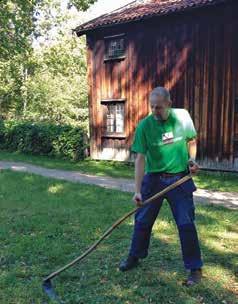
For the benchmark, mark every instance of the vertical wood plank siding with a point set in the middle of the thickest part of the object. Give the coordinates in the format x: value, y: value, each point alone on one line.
x: 92, y: 127
x: 193, y: 55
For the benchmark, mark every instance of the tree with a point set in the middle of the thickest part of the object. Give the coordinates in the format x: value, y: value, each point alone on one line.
x: 49, y: 83
x: 16, y: 26
x: 57, y: 91
x: 18, y: 19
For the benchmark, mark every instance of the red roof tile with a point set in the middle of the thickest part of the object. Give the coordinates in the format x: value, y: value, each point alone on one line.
x: 141, y: 9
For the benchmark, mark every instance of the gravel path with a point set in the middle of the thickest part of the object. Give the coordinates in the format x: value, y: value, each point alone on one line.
x: 227, y: 199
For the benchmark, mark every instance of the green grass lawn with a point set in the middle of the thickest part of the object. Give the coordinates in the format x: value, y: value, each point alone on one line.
x: 46, y: 223
x: 101, y: 168
x: 204, y: 180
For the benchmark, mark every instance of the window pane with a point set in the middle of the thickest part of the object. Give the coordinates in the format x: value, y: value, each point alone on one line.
x: 114, y: 117
x: 120, y: 118
x: 110, y: 118
x: 116, y: 48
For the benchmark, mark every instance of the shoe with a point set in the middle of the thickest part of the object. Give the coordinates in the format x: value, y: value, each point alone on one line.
x: 194, y: 277
x: 129, y: 263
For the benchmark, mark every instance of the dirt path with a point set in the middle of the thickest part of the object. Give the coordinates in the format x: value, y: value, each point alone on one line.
x: 227, y: 199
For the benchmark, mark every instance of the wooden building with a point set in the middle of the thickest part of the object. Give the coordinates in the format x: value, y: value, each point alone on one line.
x: 188, y: 46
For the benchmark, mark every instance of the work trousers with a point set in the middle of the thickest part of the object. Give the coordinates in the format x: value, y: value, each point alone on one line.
x: 182, y: 206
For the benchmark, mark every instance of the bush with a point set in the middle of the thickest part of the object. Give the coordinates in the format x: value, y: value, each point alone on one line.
x: 44, y: 139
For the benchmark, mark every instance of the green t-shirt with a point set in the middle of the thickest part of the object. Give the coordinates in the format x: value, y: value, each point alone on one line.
x: 164, y: 144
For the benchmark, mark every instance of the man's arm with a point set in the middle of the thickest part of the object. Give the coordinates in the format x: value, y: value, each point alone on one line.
x: 139, y: 171
x: 192, y: 148
x: 192, y: 151
x: 140, y: 147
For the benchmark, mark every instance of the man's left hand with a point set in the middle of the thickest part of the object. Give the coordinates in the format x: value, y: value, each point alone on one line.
x: 193, y: 166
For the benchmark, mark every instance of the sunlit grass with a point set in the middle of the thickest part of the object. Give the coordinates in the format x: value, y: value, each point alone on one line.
x: 47, y: 223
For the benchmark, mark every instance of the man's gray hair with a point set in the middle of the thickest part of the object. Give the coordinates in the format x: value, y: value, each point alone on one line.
x: 161, y: 91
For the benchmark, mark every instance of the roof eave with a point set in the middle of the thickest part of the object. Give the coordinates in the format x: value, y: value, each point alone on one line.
x: 86, y: 31
x: 149, y: 16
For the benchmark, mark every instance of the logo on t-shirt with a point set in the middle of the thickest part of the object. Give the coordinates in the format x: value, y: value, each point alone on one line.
x: 167, y: 138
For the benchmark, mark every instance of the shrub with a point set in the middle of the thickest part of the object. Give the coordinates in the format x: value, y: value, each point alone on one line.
x: 44, y: 139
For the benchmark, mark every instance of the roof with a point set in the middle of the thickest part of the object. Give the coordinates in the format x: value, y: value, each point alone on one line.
x: 143, y: 9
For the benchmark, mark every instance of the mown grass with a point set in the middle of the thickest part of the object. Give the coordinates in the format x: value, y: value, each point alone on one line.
x: 46, y: 223
x: 218, y: 181
x: 101, y: 168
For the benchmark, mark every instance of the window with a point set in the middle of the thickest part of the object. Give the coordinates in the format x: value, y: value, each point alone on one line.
x: 113, y: 117
x: 115, y: 47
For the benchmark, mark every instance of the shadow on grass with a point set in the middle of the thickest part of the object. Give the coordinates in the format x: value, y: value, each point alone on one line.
x: 47, y: 223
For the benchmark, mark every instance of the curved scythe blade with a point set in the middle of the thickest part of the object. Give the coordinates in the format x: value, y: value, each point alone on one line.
x: 49, y: 290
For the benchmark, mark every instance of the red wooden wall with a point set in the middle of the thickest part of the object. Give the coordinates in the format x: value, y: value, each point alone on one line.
x: 195, y: 56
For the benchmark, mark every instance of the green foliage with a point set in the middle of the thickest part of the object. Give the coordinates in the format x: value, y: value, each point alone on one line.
x: 57, y: 90
x: 13, y: 84
x: 47, y: 83
x: 44, y: 139
x: 49, y: 86
x: 16, y: 26
x: 18, y: 22
x: 82, y: 4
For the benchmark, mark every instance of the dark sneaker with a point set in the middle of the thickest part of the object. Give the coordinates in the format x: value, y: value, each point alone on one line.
x: 194, y: 278
x: 129, y: 263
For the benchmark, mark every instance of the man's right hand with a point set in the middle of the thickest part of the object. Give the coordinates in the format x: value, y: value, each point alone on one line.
x: 137, y: 199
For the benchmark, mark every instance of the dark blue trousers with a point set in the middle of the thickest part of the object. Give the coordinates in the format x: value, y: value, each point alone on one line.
x: 182, y: 206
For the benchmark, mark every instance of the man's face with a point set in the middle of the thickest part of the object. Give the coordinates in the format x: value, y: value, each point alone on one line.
x: 160, y: 107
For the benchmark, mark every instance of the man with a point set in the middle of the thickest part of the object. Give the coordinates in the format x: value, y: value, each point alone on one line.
x: 166, y: 147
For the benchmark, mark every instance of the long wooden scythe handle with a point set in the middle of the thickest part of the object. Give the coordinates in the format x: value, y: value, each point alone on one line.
x: 117, y: 223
